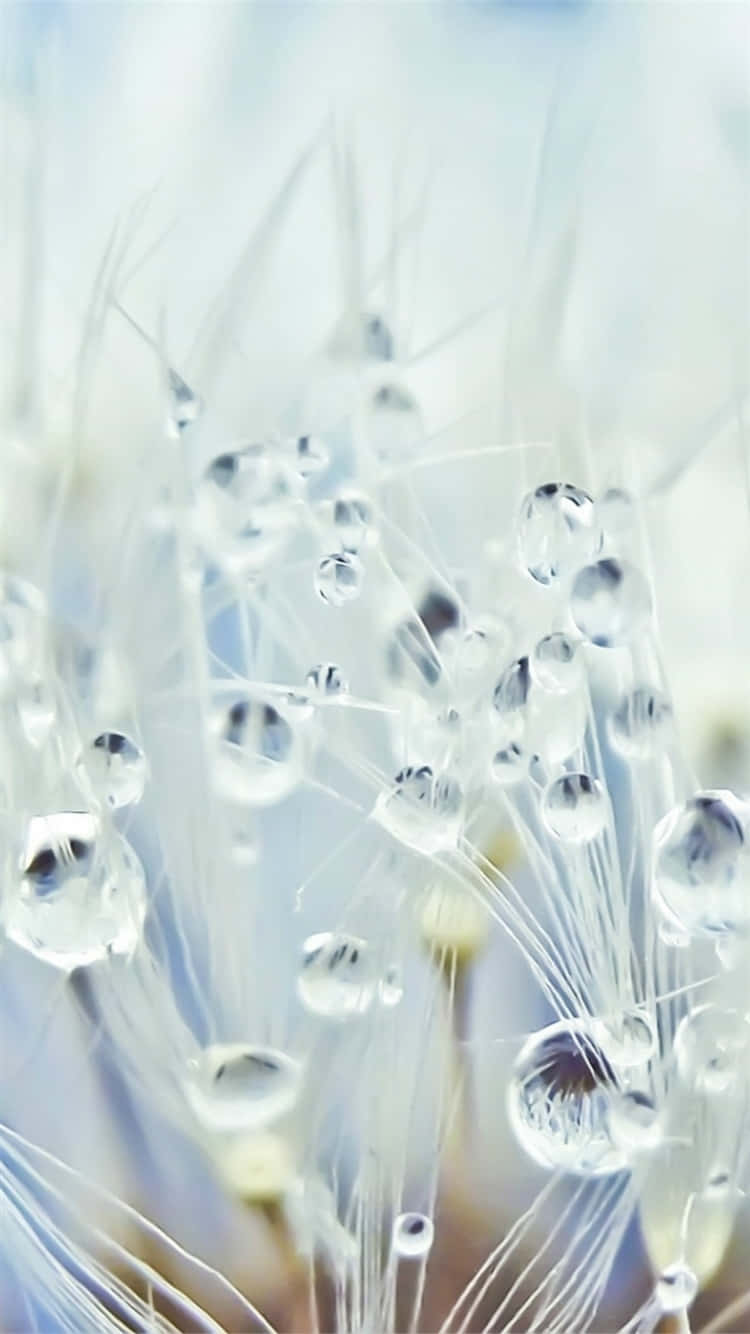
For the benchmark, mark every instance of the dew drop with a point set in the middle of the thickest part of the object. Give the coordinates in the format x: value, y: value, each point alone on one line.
x: 676, y: 1288
x: 247, y: 507
x: 234, y: 1087
x: 413, y: 1235
x: 639, y: 721
x: 258, y: 753
x: 710, y: 1048
x: 393, y: 423
x: 511, y: 696
x: 325, y: 678
x: 185, y: 407
x: 353, y: 520
x: 509, y: 765
x: 338, y: 578
x: 700, y: 865
x: 610, y: 602
x: 423, y: 809
x: 629, y: 1038
x: 311, y: 456
x: 558, y: 531
x: 560, y: 1098
x: 79, y: 896
x: 555, y: 663
x: 635, y: 1122
x: 336, y: 979
x: 391, y: 988
x: 117, y: 768
x: 575, y: 808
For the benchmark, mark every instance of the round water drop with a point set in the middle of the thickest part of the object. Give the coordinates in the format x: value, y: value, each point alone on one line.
x: 676, y: 1288
x: 700, y: 865
x: 558, y: 531
x: 336, y: 979
x: 338, y: 578
x: 423, y: 810
x: 574, y: 807
x: 393, y: 423
x: 117, y: 767
x: 233, y: 1087
x: 391, y: 988
x: 247, y: 506
x: 311, y: 456
x: 511, y: 695
x: 353, y: 520
x: 79, y: 897
x: 509, y: 765
x: 640, y: 721
x: 629, y: 1038
x: 413, y: 1235
x: 327, y: 679
x: 711, y: 1048
x: 610, y: 602
x: 258, y: 756
x: 635, y: 1122
x: 555, y: 663
x: 560, y: 1099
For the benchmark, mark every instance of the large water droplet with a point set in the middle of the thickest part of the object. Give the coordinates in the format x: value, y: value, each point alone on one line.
x: 234, y: 1087
x: 246, y: 508
x: 258, y: 756
x: 711, y: 1048
x: 117, y: 768
x: 635, y: 1122
x: 423, y: 809
x: 80, y: 895
x: 338, y: 578
x: 413, y: 1235
x: 640, y: 721
x: 700, y: 865
x: 558, y: 531
x: 676, y: 1288
x: 555, y: 663
x: 559, y: 1101
x: 628, y: 1038
x: 574, y: 807
x: 610, y: 602
x: 337, y: 976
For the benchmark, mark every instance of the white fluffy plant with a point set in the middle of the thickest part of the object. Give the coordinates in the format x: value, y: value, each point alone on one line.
x: 360, y: 899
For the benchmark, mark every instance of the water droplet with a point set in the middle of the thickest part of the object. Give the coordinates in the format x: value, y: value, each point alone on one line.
x: 353, y: 520
x: 413, y: 1235
x: 635, y: 1122
x: 412, y: 655
x: 80, y: 895
x: 393, y: 423
x: 555, y: 663
x: 378, y: 339
x: 185, y: 407
x: 327, y: 679
x: 628, y: 1038
x: 258, y: 756
x: 574, y: 807
x: 676, y: 1288
x: 558, y: 531
x: 247, y: 507
x: 710, y: 1048
x: 423, y: 810
x: 509, y: 765
x: 560, y: 1098
x: 511, y: 696
x: 233, y: 1087
x: 700, y: 865
x: 610, y: 602
x: 639, y: 721
x: 311, y: 456
x: 338, y: 578
x: 117, y: 768
x: 336, y: 979
x: 391, y: 988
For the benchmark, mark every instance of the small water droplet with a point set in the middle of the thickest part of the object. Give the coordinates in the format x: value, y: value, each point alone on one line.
x: 676, y: 1288
x: 336, y: 979
x: 509, y: 765
x: 558, y: 531
x: 700, y: 865
x: 247, y: 507
x: 555, y: 663
x: 311, y: 456
x: 327, y: 679
x: 258, y: 752
x: 117, y: 768
x: 185, y: 407
x: 423, y: 810
x: 391, y: 988
x: 233, y: 1087
x: 413, y: 1235
x: 338, y: 578
x: 635, y: 1122
x: 353, y: 520
x: 640, y: 721
x: 574, y: 807
x: 610, y: 602
x: 393, y: 423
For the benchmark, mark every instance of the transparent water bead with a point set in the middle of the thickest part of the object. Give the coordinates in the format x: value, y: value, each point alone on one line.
x: 247, y: 506
x: 574, y: 808
x: 353, y: 520
x: 629, y: 1038
x: 117, y: 767
x: 509, y: 765
x: 311, y: 456
x: 635, y: 1122
x: 258, y: 755
x: 700, y: 865
x: 23, y: 612
x: 413, y: 1235
x: 640, y: 720
x: 676, y: 1288
x: 325, y: 678
x: 393, y: 423
x: 234, y: 1087
x: 555, y: 663
x: 511, y: 695
x: 337, y: 977
x: 423, y: 810
x: 610, y: 602
x: 711, y: 1048
x: 560, y: 1100
x: 338, y: 578
x: 185, y: 407
x: 558, y: 531
x: 391, y: 988
x: 79, y: 896
x: 412, y: 655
